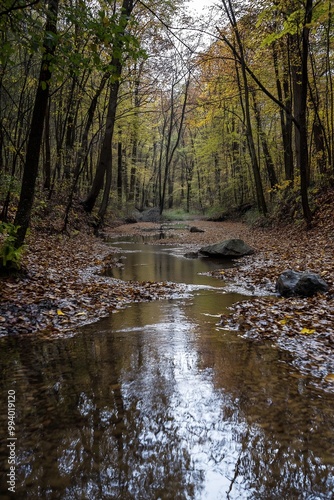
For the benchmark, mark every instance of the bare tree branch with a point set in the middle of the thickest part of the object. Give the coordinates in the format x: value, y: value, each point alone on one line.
x: 18, y: 7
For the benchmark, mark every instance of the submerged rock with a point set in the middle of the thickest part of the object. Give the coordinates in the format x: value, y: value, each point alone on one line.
x: 233, y: 248
x: 191, y: 255
x: 305, y: 284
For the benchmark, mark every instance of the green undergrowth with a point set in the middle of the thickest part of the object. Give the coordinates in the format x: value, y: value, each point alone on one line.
x: 10, y: 256
x: 178, y: 214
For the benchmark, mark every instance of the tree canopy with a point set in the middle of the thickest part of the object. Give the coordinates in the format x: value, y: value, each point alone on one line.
x: 124, y: 104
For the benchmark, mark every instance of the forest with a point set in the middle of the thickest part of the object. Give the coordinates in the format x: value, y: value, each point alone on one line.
x: 134, y: 135
x: 110, y: 106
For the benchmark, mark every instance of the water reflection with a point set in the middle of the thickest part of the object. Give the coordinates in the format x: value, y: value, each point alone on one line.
x: 156, y: 402
x: 166, y: 263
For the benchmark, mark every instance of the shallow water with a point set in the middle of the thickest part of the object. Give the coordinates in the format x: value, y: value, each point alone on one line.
x: 158, y: 402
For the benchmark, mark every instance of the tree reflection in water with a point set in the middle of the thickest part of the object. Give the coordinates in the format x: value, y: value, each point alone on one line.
x: 165, y: 409
x: 156, y: 403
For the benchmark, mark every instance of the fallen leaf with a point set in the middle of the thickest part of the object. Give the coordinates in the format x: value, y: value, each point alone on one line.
x: 307, y: 331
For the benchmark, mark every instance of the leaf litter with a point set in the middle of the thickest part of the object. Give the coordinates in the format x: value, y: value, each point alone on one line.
x: 302, y: 326
x: 64, y: 286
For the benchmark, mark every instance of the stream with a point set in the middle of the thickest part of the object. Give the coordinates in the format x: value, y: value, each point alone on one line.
x: 159, y: 402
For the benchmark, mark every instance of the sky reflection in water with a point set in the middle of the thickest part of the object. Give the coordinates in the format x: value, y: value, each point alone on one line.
x: 157, y: 402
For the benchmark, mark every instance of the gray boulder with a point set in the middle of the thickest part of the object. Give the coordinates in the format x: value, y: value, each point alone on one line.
x: 150, y: 215
x: 233, y: 248
x: 304, y: 284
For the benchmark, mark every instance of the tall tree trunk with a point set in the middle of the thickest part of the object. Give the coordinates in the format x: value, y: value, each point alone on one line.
x: 296, y: 75
x: 18, y: 142
x: 119, y: 171
x: 249, y: 132
x: 244, y: 99
x: 106, y: 193
x: 321, y: 144
x: 105, y: 160
x: 83, y: 151
x: 267, y: 156
x: 163, y: 178
x: 30, y: 172
x: 302, y: 118
x: 104, y: 168
x: 89, y: 122
x: 170, y: 152
x: 158, y: 189
x: 330, y: 87
x: 133, y: 171
x: 47, y: 160
x: 286, y: 122
x: 171, y: 187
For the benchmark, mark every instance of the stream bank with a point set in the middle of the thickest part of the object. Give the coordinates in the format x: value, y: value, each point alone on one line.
x: 303, y: 327
x: 64, y: 288
x: 160, y: 401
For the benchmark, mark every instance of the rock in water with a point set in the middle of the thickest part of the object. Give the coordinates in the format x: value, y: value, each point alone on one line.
x: 229, y: 248
x: 191, y: 255
x: 304, y: 284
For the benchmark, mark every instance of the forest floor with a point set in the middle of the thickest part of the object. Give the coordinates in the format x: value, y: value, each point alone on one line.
x: 64, y: 286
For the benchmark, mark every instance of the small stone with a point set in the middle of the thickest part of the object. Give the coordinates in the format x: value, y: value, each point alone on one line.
x: 191, y: 255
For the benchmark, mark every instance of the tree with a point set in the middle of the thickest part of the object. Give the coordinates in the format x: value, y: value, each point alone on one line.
x: 245, y: 103
x: 284, y: 95
x: 265, y: 147
x: 105, y: 161
x: 175, y: 126
x: 301, y: 98
x: 23, y: 214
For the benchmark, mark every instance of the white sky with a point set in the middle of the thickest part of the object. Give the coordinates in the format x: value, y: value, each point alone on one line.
x: 199, y: 5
